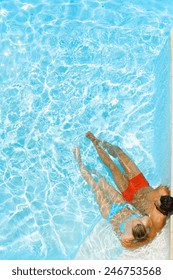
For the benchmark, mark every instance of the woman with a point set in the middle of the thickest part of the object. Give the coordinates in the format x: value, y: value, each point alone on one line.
x: 156, y: 203
x: 133, y: 229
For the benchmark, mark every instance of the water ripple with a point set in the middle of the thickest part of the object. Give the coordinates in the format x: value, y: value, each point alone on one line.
x: 67, y: 67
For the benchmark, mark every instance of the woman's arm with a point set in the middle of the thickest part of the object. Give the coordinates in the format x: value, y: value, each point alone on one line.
x: 129, y: 242
x: 147, y: 222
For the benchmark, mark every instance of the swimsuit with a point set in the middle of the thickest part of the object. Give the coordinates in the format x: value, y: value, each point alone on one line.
x: 115, y: 208
x: 135, y: 184
x: 122, y: 226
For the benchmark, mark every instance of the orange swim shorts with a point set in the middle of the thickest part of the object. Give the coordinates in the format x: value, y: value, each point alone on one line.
x: 135, y: 184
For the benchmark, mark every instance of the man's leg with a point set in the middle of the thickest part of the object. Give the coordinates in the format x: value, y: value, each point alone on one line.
x: 119, y: 178
x: 129, y: 166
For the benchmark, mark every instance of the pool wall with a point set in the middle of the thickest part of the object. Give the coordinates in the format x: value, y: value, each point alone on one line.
x: 171, y: 219
x: 161, y: 144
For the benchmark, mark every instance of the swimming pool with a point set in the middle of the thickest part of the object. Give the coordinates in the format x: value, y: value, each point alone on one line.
x: 67, y: 67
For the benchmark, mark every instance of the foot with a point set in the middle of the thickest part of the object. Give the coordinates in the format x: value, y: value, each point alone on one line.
x: 105, y: 145
x: 112, y: 150
x: 91, y: 136
x: 95, y: 172
x: 76, y: 152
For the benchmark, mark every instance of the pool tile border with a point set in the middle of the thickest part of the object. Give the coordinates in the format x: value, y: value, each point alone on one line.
x: 171, y: 218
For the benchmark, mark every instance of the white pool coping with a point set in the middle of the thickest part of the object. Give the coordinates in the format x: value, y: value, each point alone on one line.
x: 171, y: 218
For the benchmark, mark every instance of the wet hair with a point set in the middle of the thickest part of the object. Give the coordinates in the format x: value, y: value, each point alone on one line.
x: 166, y: 206
x: 139, y: 232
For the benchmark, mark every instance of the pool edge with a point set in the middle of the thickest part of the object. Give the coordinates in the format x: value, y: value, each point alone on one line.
x: 171, y: 218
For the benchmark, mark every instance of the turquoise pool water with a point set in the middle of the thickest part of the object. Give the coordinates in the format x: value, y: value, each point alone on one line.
x: 67, y: 67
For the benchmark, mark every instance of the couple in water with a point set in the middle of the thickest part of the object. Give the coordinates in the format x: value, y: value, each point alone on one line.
x: 138, y: 225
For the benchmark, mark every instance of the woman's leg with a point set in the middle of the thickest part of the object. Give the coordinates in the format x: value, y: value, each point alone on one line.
x: 112, y: 194
x: 104, y: 204
x: 119, y: 178
x: 129, y: 166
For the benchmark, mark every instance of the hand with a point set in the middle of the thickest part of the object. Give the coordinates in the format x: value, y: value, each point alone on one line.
x: 125, y: 242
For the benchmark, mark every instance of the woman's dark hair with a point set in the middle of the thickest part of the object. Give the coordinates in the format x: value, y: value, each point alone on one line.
x: 166, y: 206
x: 139, y: 232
